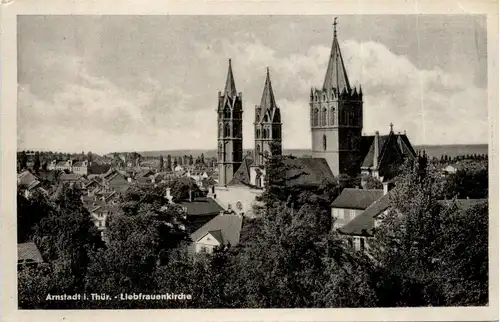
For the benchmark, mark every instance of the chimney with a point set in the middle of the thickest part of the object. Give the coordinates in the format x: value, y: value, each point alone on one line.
x: 386, y: 187
x: 376, y: 150
x: 190, y: 195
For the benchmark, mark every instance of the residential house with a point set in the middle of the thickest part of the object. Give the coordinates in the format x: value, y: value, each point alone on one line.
x: 81, y: 168
x: 64, y: 165
x: 28, y: 255
x: 351, y: 203
x: 199, y: 210
x: 117, y: 181
x: 360, y: 230
x: 28, y: 183
x: 224, y: 229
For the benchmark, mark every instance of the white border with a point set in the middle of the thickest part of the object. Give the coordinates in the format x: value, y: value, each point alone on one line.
x: 8, y: 119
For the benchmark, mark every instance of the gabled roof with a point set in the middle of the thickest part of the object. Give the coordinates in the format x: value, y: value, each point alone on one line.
x: 364, y: 223
x: 79, y: 164
x: 69, y: 177
x: 397, y: 142
x: 228, y: 225
x: 201, y: 206
x: 307, y: 171
x: 217, y: 234
x: 336, y: 74
x: 361, y: 199
x: 28, y: 252
x: 27, y: 180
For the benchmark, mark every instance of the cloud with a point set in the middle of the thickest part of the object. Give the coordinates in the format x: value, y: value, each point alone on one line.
x: 76, y: 110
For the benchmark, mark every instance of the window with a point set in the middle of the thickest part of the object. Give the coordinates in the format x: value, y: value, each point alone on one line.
x: 257, y: 133
x: 362, y: 244
x: 257, y: 152
x: 352, y: 214
x: 323, y: 117
x: 227, y: 131
x: 324, y: 142
x: 227, y: 113
x: 332, y: 116
x: 316, y: 117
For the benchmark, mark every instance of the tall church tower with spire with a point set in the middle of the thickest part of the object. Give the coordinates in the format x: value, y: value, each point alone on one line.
x: 336, y: 112
x: 267, y: 124
x: 230, y: 130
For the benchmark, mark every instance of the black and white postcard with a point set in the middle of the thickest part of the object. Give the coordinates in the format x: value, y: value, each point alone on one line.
x: 284, y: 157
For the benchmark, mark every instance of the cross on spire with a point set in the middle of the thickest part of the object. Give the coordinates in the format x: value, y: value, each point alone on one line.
x: 335, y: 26
x: 391, y: 125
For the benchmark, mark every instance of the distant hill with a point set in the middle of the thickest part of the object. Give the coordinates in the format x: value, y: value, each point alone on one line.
x: 453, y: 150
x: 431, y: 150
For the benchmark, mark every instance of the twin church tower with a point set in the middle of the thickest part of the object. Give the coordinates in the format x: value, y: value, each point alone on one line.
x: 336, y: 115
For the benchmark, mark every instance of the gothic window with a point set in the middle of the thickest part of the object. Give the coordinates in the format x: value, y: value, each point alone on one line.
x: 227, y: 131
x: 276, y: 133
x: 220, y: 130
x: 324, y: 142
x: 323, y: 117
x: 316, y: 117
x: 266, y: 119
x: 227, y: 113
x: 324, y: 97
x: 220, y: 151
x: 257, y: 133
x: 258, y: 153
x: 264, y: 134
x: 332, y: 116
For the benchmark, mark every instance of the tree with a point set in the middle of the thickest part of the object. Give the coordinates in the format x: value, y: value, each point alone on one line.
x: 90, y: 157
x: 23, y: 160
x: 414, y: 242
x: 202, y: 159
x: 37, y: 162
x: 191, y: 160
x: 169, y: 162
x: 161, y: 164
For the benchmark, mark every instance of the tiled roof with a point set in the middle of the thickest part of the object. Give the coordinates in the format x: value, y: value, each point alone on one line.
x: 28, y: 252
x: 69, y: 176
x: 228, y: 225
x: 79, y: 164
x: 351, y: 198
x: 201, y: 206
x: 62, y: 163
x: 27, y: 180
x: 364, y: 222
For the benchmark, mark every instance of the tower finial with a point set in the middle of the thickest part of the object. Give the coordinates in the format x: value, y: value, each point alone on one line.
x: 335, y: 26
x: 391, y: 125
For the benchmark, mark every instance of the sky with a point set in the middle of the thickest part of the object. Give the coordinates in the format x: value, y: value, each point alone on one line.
x: 137, y: 83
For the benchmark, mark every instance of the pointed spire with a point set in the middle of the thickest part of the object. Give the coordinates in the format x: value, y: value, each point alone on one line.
x: 267, y: 102
x: 336, y: 74
x: 230, y: 89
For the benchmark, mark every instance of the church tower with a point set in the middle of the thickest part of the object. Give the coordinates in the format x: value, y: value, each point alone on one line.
x: 267, y: 124
x: 230, y: 134
x: 336, y: 113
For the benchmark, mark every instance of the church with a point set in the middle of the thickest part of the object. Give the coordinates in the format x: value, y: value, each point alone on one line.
x: 336, y: 123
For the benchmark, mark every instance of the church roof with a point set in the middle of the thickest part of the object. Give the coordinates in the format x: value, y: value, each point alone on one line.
x: 230, y: 89
x: 242, y: 174
x: 267, y: 101
x: 336, y: 74
x: 307, y: 171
